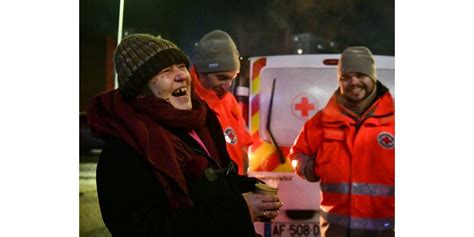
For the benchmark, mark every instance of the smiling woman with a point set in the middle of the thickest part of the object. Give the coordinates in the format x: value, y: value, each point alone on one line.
x: 173, y: 84
x: 161, y: 145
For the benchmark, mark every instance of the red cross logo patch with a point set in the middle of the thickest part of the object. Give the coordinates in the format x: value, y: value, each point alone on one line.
x: 386, y: 140
x: 230, y: 136
x: 304, y: 106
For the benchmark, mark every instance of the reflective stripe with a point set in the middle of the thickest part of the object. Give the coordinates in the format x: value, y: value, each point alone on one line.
x: 359, y: 222
x: 359, y: 188
x: 335, y: 188
x: 373, y: 189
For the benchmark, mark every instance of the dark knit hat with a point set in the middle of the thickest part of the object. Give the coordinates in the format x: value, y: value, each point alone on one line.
x: 139, y: 57
x: 216, y: 52
x: 357, y: 59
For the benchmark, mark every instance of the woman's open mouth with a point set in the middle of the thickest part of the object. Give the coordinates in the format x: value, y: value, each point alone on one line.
x: 182, y: 91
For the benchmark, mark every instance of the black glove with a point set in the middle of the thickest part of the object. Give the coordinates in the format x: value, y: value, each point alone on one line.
x: 305, y: 168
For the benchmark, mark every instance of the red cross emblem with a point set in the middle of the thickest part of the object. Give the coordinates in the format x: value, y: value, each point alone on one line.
x: 230, y: 136
x: 386, y: 140
x: 303, y: 106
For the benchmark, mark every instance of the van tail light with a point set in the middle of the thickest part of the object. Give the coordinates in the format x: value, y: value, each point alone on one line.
x: 330, y: 62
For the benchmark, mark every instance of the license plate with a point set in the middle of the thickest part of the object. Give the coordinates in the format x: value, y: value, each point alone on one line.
x: 291, y: 229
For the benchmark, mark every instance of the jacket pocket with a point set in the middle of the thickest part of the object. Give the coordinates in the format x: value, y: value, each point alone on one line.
x: 330, y: 147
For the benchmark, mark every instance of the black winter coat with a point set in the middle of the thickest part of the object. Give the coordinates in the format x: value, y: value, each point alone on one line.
x: 133, y: 203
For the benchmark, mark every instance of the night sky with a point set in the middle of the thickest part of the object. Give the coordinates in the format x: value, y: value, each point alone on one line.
x: 259, y: 27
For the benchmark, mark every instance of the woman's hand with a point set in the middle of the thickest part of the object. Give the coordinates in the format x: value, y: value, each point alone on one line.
x: 262, y: 206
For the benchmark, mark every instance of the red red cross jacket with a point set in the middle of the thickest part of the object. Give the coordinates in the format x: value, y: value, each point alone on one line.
x: 355, y: 166
x: 233, y: 124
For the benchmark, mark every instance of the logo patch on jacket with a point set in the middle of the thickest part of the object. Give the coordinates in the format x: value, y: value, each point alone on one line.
x: 386, y: 140
x: 230, y: 136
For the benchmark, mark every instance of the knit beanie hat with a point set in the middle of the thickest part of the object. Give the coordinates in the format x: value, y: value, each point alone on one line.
x: 216, y: 52
x: 139, y: 57
x: 357, y: 59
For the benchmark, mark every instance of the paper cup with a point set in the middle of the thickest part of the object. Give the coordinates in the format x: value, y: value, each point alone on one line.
x: 265, y: 189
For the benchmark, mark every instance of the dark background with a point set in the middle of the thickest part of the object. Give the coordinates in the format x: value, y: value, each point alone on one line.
x: 258, y: 27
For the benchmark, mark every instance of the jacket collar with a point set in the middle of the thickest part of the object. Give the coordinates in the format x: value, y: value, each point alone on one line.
x: 381, y: 107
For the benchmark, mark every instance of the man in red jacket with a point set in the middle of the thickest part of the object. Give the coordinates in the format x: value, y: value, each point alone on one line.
x: 349, y: 147
x: 216, y: 65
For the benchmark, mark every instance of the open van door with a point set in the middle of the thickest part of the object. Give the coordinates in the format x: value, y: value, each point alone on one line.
x: 285, y: 91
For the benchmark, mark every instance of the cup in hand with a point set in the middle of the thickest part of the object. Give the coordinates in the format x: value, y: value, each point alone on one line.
x: 262, y: 188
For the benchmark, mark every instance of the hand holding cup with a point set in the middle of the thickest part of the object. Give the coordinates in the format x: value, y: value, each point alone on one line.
x: 270, y: 201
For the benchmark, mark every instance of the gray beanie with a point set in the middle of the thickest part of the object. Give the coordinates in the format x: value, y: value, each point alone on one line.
x: 357, y: 59
x: 139, y: 57
x: 216, y: 52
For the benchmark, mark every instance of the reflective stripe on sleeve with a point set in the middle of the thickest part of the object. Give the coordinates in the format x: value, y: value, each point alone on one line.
x: 373, y: 189
x: 335, y: 188
x: 359, y: 188
x: 359, y: 222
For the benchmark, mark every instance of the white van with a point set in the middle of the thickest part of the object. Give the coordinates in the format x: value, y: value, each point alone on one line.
x: 285, y: 91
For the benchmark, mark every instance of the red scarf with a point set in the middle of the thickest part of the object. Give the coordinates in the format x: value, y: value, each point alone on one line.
x: 140, y: 122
